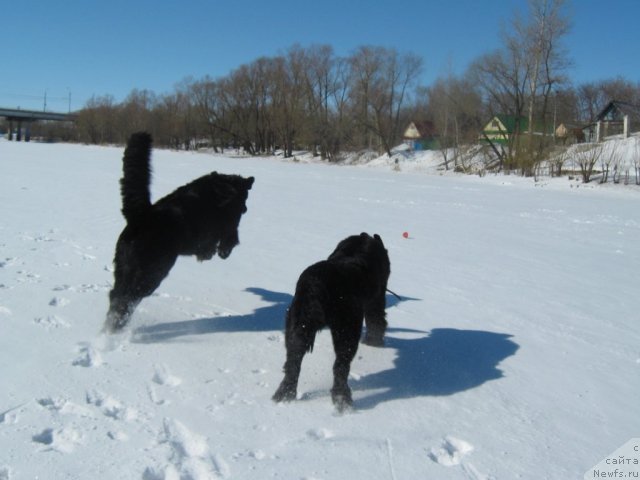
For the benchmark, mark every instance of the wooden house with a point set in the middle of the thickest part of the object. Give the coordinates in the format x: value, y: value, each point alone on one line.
x: 568, y: 133
x: 616, y: 118
x: 421, y: 136
x: 502, y: 128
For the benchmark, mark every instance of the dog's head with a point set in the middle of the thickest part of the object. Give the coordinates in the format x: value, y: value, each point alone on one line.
x: 367, y: 249
x: 233, y: 205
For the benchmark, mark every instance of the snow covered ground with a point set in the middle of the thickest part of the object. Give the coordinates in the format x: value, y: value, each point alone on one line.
x: 514, y: 353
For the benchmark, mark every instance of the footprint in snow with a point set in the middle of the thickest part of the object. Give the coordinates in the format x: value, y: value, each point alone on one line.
x: 163, y: 377
x: 451, y: 451
x: 11, y: 416
x: 59, y: 405
x: 51, y: 321
x: 62, y: 440
x: 8, y: 262
x: 5, y: 473
x: 118, y: 436
x: 28, y: 277
x: 88, y: 356
x: 320, y: 434
x: 189, y: 458
x: 110, y: 406
x: 59, y: 302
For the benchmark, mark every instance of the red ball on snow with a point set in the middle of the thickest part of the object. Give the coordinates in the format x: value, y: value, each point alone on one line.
x: 405, y: 234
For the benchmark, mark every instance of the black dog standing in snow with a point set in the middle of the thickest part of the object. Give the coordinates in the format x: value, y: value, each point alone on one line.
x: 200, y: 218
x: 337, y: 293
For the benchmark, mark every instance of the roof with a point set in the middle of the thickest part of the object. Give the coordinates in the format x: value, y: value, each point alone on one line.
x: 509, y: 123
x: 615, y: 109
x: 420, y: 129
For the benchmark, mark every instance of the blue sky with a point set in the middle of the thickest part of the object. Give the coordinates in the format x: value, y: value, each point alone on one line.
x: 80, y: 48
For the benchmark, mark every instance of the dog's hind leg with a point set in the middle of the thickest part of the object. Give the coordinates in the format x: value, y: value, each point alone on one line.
x: 120, y: 309
x: 299, y: 340
x: 345, y: 335
x: 136, y: 277
x: 288, y: 389
x: 376, y: 322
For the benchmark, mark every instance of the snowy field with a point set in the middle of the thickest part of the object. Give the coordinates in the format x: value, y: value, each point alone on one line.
x: 513, y: 354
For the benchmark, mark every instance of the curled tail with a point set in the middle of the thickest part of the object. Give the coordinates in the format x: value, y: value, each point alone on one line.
x: 136, y: 176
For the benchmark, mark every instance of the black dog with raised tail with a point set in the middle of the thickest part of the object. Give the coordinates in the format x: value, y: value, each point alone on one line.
x: 200, y: 218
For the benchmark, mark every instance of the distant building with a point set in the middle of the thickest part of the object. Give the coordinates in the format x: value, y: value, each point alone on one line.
x: 421, y: 136
x: 502, y: 128
x: 568, y: 133
x: 616, y: 118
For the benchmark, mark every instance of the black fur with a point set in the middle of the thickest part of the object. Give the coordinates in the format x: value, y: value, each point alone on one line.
x: 337, y: 293
x: 200, y: 218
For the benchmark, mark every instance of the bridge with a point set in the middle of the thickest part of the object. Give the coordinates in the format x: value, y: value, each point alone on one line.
x: 27, y: 117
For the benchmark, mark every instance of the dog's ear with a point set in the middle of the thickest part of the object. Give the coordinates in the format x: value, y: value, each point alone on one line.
x: 248, y: 182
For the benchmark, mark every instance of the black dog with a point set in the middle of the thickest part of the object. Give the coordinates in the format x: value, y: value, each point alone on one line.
x: 200, y: 218
x: 337, y: 293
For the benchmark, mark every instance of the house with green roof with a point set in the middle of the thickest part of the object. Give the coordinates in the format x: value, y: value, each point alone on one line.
x: 502, y: 128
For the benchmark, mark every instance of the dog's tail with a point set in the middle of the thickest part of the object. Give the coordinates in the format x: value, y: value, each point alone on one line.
x: 136, y: 176
x: 305, y: 316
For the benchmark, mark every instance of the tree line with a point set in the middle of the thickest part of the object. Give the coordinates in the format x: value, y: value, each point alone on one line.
x: 306, y: 98
x: 310, y: 98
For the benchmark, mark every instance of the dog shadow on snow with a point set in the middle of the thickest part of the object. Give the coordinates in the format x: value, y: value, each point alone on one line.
x: 441, y: 362
x: 264, y: 319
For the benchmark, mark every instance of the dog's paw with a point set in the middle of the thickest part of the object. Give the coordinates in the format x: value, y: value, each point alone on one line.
x: 114, y: 322
x: 342, y: 403
x: 285, y: 393
x: 373, y: 341
x: 342, y: 400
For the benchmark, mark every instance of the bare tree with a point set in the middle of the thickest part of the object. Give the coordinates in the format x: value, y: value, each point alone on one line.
x: 454, y: 105
x: 207, y: 98
x: 611, y: 160
x: 557, y: 160
x: 97, y: 121
x: 135, y: 112
x: 636, y: 161
x: 288, y: 80
x: 243, y: 97
x: 519, y: 79
x: 176, y: 121
x: 592, y: 97
x: 587, y: 156
x: 541, y: 37
x: 382, y: 82
x: 502, y: 78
